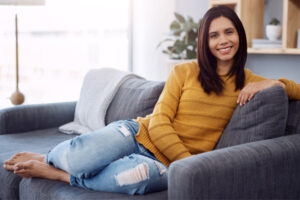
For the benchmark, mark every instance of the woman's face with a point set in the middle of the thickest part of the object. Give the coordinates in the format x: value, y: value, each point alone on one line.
x: 223, y: 39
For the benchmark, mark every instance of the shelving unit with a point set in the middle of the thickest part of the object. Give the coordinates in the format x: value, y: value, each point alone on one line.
x: 251, y: 13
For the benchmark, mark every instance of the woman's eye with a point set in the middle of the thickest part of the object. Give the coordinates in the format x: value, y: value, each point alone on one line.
x: 229, y: 32
x: 213, y: 35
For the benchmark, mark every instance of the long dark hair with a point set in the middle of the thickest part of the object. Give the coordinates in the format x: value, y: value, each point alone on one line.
x: 208, y: 76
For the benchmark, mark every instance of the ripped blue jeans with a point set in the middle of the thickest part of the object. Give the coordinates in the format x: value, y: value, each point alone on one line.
x: 110, y: 160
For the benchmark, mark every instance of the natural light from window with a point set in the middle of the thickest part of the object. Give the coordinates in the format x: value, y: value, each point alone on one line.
x: 58, y: 43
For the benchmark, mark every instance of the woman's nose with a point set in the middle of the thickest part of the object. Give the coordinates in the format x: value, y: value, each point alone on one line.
x: 223, y: 39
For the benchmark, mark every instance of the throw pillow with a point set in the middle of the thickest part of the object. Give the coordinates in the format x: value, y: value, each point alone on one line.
x: 135, y: 98
x: 263, y: 117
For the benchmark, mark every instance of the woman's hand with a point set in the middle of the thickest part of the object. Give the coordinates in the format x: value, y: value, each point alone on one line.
x: 248, y: 92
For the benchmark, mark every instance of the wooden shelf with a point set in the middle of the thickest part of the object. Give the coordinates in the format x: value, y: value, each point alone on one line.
x: 251, y: 13
x: 291, y: 51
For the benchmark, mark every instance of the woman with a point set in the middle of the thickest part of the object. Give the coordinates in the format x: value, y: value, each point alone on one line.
x: 131, y: 156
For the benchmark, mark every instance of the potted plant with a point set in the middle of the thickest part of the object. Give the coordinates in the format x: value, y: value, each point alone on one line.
x: 273, y: 29
x: 181, y: 41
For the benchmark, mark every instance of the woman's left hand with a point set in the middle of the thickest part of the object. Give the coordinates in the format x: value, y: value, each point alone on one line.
x: 248, y: 92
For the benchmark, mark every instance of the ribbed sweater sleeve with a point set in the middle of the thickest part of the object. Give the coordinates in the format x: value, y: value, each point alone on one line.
x: 161, y: 130
x: 292, y: 89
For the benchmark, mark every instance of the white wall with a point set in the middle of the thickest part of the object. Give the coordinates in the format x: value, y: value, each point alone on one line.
x: 151, y: 21
x: 193, y: 8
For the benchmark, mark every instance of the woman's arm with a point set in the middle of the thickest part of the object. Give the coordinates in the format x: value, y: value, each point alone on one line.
x: 255, y: 83
x: 161, y: 130
x: 248, y: 92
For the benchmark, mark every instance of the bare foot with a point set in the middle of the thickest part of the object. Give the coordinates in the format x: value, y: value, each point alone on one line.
x: 23, y: 157
x: 34, y: 168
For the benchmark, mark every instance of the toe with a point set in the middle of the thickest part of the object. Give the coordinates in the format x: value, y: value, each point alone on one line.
x: 8, y: 167
x: 9, y: 162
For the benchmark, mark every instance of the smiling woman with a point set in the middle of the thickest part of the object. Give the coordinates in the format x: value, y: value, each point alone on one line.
x: 58, y: 47
x: 223, y: 43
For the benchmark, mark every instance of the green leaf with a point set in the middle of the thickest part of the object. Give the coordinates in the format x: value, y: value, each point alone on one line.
x: 187, y: 26
x: 170, y: 48
x: 175, y: 26
x: 190, y: 20
x: 179, y: 46
x: 165, y: 40
x: 166, y: 52
x: 192, y: 36
x: 179, y: 17
x: 190, y: 54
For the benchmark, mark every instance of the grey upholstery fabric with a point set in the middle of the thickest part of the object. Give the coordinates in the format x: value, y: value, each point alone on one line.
x: 135, y: 98
x: 262, y: 118
x: 293, y: 122
x: 267, y: 169
x: 40, y: 141
x: 33, y: 117
x: 42, y: 189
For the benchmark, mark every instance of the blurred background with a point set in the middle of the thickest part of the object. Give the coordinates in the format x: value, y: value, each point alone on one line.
x: 62, y: 39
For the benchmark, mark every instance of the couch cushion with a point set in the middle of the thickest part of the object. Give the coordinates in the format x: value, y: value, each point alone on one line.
x: 135, y: 98
x: 35, y: 188
x: 293, y: 122
x: 264, y: 117
x: 37, y: 141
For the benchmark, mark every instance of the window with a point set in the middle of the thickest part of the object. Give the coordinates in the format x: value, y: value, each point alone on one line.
x: 58, y: 43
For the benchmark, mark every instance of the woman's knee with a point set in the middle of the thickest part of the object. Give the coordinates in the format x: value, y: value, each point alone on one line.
x: 146, y: 176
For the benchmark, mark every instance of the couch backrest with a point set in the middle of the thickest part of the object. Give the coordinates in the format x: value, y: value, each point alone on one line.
x: 135, y: 98
x: 293, y: 122
x: 264, y: 117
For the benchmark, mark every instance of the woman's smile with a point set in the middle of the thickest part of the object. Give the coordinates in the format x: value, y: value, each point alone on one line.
x: 225, y: 50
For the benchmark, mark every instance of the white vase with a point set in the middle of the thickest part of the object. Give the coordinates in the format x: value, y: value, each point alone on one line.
x: 273, y: 32
x: 172, y: 62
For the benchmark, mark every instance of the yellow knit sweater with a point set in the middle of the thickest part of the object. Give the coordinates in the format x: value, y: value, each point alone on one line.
x: 187, y: 121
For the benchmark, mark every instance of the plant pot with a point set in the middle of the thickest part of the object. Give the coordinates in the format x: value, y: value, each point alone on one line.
x: 273, y: 32
x: 172, y: 62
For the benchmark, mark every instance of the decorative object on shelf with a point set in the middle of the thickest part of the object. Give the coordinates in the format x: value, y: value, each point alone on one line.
x: 265, y: 43
x: 17, y: 97
x: 273, y: 29
x: 182, y: 38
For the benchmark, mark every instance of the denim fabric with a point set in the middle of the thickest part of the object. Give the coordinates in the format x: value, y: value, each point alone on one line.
x: 267, y: 169
x: 25, y: 118
x: 264, y: 117
x: 110, y: 160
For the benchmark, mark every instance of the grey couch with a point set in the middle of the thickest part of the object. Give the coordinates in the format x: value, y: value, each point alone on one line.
x: 257, y: 157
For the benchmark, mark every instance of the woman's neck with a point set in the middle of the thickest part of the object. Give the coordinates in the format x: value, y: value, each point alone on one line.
x: 223, y: 67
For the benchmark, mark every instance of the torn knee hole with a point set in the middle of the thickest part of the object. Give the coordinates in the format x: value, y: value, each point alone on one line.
x: 124, y: 130
x: 134, y: 175
x: 162, y: 169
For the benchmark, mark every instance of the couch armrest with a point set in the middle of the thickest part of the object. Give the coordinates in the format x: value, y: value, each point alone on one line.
x: 267, y: 169
x: 37, y: 116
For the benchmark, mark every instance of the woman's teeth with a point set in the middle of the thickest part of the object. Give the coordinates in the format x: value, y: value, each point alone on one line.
x: 224, y: 50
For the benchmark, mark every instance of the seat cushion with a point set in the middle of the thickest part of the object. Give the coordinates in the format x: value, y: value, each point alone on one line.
x: 264, y: 117
x: 13, y: 186
x: 35, y: 188
x: 37, y: 141
x: 293, y: 122
x: 135, y: 98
